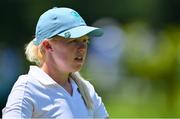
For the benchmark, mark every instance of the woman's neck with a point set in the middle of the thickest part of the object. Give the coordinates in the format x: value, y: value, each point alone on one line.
x: 61, y: 78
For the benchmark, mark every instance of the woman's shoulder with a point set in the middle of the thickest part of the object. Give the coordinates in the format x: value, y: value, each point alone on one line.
x: 23, y: 80
x: 24, y: 83
x: 89, y: 86
x: 88, y: 83
x: 20, y: 89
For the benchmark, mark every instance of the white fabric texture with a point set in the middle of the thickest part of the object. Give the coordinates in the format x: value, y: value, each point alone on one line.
x: 37, y: 95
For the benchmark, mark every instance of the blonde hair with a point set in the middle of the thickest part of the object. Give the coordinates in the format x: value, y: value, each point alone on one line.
x: 35, y: 54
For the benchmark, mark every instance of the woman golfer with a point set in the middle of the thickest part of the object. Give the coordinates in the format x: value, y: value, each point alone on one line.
x: 54, y: 88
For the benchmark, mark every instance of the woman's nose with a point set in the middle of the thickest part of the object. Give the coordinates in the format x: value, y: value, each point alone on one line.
x: 82, y: 46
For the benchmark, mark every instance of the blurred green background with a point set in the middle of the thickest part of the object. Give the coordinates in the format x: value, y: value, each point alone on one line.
x: 135, y: 66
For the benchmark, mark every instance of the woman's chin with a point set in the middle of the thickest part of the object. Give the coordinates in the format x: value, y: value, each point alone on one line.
x: 77, y: 67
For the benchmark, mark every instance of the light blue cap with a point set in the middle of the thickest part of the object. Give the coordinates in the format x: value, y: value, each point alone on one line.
x: 63, y: 22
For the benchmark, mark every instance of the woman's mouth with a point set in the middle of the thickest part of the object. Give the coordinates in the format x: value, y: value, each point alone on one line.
x: 79, y: 59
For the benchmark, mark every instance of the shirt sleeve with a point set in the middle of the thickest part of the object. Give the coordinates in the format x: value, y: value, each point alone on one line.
x: 99, y: 110
x: 19, y: 104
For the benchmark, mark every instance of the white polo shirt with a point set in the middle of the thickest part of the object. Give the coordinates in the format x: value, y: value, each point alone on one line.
x: 37, y: 95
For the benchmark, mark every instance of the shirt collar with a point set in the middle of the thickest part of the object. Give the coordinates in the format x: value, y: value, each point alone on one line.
x: 74, y: 85
x: 41, y: 76
x: 44, y: 78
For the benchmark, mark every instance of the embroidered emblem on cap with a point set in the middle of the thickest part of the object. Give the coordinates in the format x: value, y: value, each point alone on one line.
x: 77, y: 16
x: 67, y: 35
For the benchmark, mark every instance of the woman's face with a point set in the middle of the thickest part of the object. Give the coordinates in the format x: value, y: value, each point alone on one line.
x: 68, y: 55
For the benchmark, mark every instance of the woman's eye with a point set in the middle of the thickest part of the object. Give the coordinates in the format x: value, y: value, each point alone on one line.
x: 79, y: 41
x: 72, y: 41
x: 86, y: 41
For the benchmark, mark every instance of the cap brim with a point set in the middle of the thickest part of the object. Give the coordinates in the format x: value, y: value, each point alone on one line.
x: 81, y: 31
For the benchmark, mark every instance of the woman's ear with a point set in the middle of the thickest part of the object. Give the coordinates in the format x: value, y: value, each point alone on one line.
x: 47, y: 45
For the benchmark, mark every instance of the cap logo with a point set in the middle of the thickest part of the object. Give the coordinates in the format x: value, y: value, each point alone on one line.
x: 67, y: 35
x: 77, y: 16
